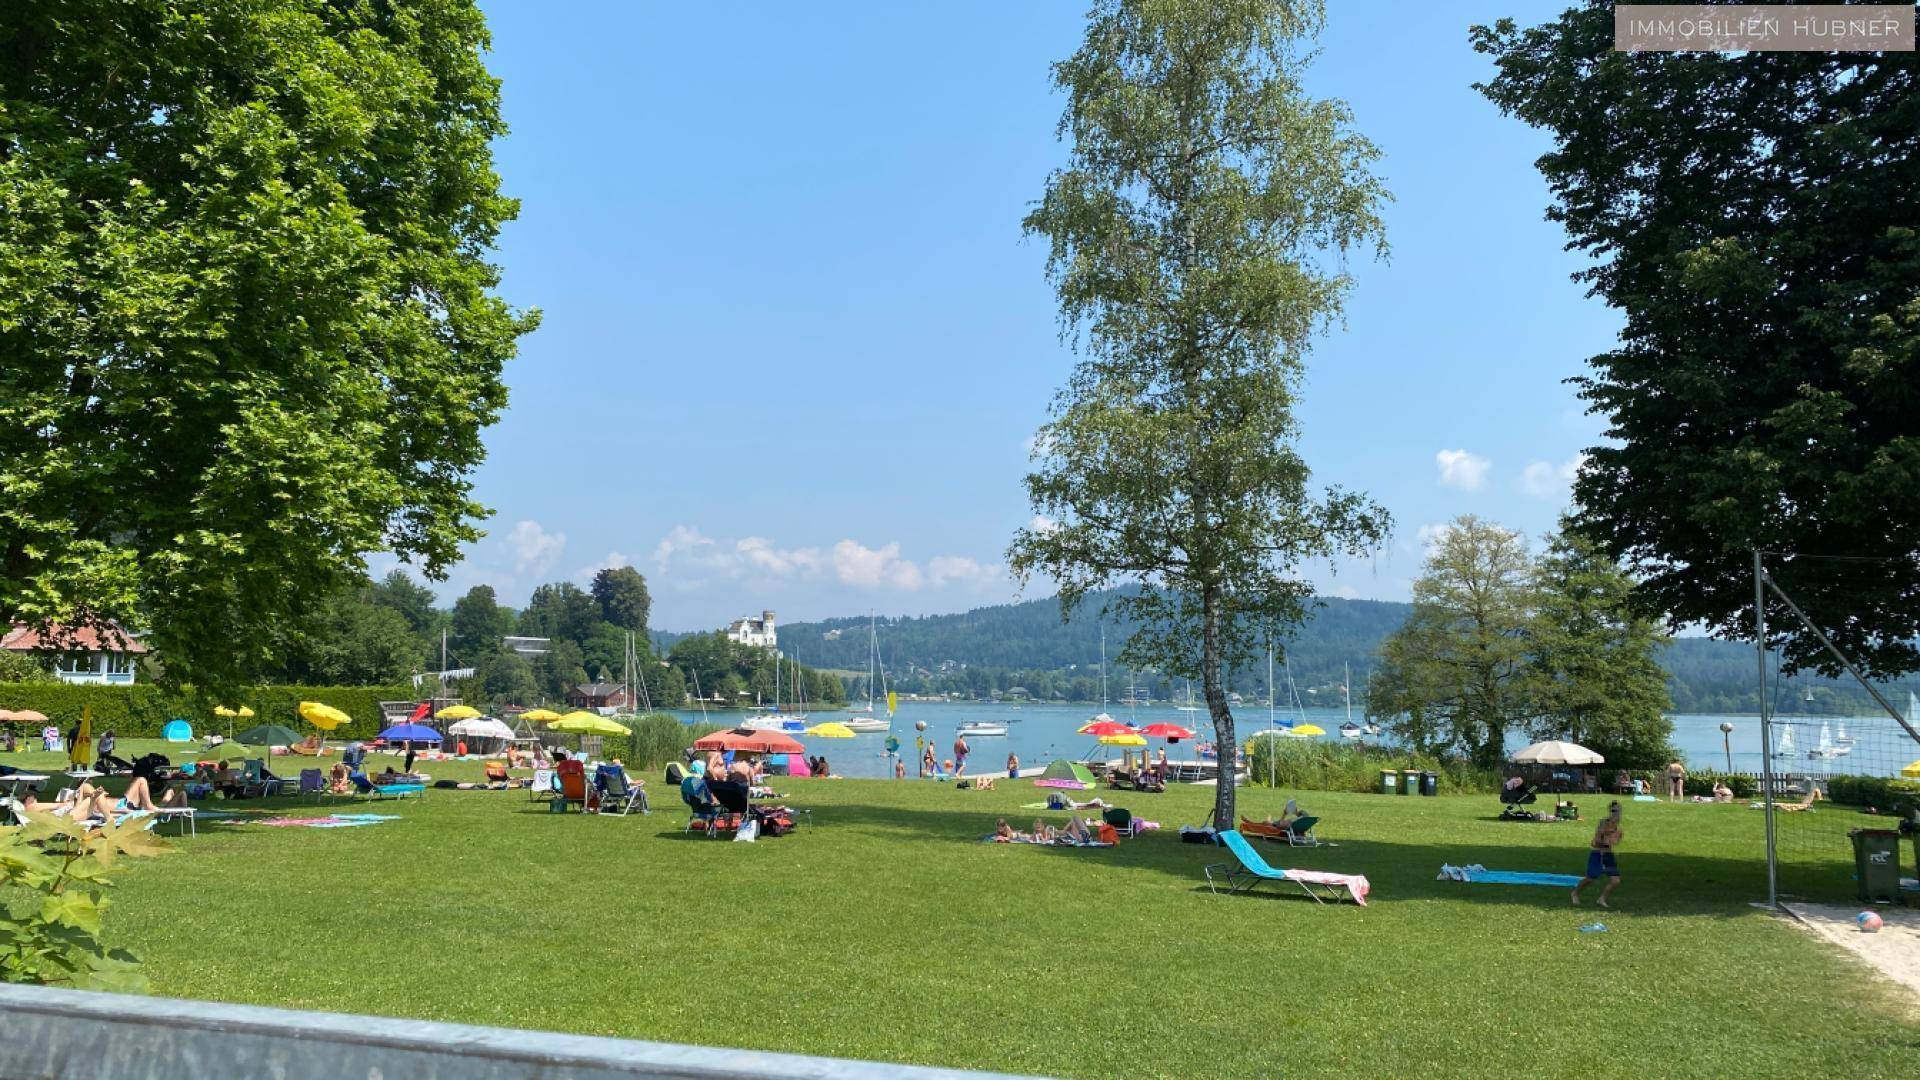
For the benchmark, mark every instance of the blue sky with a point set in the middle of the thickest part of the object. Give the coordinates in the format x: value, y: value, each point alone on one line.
x: 794, y: 343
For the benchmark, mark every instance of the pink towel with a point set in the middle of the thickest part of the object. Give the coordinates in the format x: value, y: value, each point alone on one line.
x: 1356, y: 884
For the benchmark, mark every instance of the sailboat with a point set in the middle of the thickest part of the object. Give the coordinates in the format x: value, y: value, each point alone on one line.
x: 1783, y: 746
x: 865, y: 721
x: 1349, y: 730
x: 772, y: 718
x: 1840, y: 736
x: 1828, y: 749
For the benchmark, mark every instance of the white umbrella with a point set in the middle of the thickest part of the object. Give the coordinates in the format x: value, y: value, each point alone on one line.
x: 1555, y: 752
x: 485, y: 727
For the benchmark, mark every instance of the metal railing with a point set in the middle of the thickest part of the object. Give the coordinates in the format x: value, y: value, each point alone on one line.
x: 48, y: 1034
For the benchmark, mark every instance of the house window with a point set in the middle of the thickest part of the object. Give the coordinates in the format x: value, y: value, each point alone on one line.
x: 76, y: 663
x: 119, y: 663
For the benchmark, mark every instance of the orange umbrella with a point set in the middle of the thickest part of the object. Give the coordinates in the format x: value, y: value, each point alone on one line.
x: 751, y: 741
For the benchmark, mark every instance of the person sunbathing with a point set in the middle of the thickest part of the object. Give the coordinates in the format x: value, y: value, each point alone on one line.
x: 139, y: 796
x: 977, y: 783
x: 339, y: 779
x: 1004, y: 833
x: 1076, y: 831
x: 1044, y: 833
x: 1721, y: 792
x: 1287, y: 816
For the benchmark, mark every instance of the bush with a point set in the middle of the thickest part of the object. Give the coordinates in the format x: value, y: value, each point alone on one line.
x: 1887, y: 795
x: 1701, y: 783
x: 1327, y: 766
x: 140, y: 711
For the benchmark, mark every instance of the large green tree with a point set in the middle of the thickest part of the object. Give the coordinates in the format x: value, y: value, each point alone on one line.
x: 1751, y: 216
x: 1595, y: 658
x: 478, y: 626
x: 248, y: 329
x: 1456, y: 677
x: 561, y: 611
x: 349, y: 641
x: 1197, y: 241
x: 622, y: 595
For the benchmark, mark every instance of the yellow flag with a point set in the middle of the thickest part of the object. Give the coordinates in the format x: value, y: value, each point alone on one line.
x: 893, y: 702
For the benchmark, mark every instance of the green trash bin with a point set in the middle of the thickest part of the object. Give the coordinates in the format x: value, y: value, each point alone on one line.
x: 1389, y: 781
x: 1409, y: 781
x: 1876, y: 864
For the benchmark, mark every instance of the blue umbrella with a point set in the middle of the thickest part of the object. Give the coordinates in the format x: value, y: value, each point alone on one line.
x: 410, y: 733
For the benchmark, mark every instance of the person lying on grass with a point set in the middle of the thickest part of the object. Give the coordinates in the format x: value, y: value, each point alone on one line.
x: 1044, y: 833
x: 1076, y: 831
x: 1058, y: 801
x: 976, y: 783
x: 1004, y: 833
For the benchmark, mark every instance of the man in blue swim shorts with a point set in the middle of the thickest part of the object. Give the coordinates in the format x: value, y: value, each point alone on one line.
x: 1600, y: 860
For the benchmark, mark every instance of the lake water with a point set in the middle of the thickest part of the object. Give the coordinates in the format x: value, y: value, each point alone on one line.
x: 1039, y: 733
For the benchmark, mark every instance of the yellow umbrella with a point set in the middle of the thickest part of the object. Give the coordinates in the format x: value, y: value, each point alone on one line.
x: 224, y: 711
x: 80, y: 754
x: 1122, y: 740
x: 1304, y: 730
x: 324, y: 717
x: 831, y: 730
x: 458, y: 712
x: 1912, y: 770
x: 586, y: 723
x: 540, y: 716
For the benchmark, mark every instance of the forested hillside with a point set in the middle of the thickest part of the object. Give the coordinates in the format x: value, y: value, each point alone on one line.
x: 993, y: 650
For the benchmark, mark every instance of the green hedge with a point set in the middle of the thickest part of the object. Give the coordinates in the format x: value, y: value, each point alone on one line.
x: 1701, y: 783
x: 141, y: 711
x: 1329, y: 766
x: 1889, y: 796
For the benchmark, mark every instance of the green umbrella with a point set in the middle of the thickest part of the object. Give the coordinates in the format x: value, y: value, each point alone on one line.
x: 268, y: 735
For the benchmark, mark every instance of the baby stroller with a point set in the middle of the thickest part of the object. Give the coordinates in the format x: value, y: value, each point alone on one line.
x: 1516, y: 794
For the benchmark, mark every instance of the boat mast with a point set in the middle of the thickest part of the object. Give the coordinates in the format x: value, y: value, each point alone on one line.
x: 1103, y: 667
x: 1346, y: 687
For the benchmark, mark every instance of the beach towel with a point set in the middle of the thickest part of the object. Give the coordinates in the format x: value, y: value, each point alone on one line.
x: 992, y: 839
x: 1356, y: 885
x: 1480, y: 875
x: 330, y: 821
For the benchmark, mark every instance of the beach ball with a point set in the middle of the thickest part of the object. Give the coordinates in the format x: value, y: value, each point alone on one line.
x: 1870, y: 922
x: 919, y: 725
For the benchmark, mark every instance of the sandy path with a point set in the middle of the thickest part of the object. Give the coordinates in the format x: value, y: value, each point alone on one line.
x: 1894, y: 951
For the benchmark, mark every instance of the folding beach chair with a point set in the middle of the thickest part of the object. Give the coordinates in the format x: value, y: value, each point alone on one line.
x: 617, y: 793
x: 312, y: 782
x: 1120, y: 818
x: 1248, y: 870
x: 704, y: 812
x: 572, y: 783
x: 1300, y: 833
x: 542, y: 789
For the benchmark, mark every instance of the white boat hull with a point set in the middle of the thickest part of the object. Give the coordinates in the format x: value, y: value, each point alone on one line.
x: 776, y: 722
x: 867, y: 725
x: 986, y: 730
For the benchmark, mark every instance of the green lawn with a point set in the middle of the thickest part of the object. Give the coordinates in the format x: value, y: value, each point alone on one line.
x: 889, y: 932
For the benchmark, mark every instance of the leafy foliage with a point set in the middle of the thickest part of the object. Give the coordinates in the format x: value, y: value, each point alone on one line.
x: 51, y: 935
x: 250, y: 329
x: 141, y: 711
x: 622, y: 595
x: 1187, y: 237
x: 1751, y: 218
x: 1315, y: 765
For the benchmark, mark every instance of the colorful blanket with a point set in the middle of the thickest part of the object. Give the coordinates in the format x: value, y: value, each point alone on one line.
x: 330, y: 821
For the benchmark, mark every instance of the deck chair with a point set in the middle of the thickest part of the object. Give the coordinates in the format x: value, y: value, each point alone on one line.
x: 312, y: 782
x: 1300, y: 833
x: 1248, y: 870
x: 572, y: 782
x: 364, y: 786
x: 542, y: 788
x: 705, y: 813
x: 617, y: 793
x: 1120, y: 818
x: 496, y: 772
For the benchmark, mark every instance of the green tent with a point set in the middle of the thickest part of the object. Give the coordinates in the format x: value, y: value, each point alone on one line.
x: 1065, y: 774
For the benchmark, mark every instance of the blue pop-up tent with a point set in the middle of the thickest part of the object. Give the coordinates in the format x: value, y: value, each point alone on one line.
x: 410, y: 733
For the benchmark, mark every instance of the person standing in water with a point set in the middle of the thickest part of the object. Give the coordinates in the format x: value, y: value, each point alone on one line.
x: 1600, y: 860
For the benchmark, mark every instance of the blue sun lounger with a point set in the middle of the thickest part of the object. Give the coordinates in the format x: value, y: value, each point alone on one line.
x: 364, y: 786
x: 1249, y: 869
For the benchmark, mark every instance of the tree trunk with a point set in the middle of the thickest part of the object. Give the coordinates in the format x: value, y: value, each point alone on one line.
x: 1225, y: 746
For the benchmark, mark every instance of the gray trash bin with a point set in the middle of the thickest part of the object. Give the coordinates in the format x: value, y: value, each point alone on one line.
x: 1876, y: 864
x: 1429, y: 783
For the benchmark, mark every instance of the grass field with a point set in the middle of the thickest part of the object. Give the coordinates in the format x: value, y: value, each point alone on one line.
x: 888, y: 931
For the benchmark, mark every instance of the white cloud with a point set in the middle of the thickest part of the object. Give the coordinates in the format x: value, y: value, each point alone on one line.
x: 1431, y: 536
x: 1550, y: 481
x: 1462, y: 469
x: 863, y: 567
x: 759, y: 553
x: 533, y: 548
x: 679, y: 540
x: 959, y: 569
x: 1042, y: 524
x: 1345, y: 592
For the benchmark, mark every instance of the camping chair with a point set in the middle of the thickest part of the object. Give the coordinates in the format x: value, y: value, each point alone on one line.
x: 542, y: 788
x: 364, y: 786
x: 693, y: 792
x: 496, y: 772
x: 256, y: 780
x: 1300, y: 833
x: 617, y: 793
x: 1248, y: 870
x: 1120, y: 818
x: 572, y: 783
x: 312, y: 782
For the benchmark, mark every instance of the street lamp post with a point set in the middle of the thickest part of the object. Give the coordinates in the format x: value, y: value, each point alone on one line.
x: 1726, y: 740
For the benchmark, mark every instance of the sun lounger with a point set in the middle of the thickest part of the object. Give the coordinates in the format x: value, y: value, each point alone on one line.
x: 1249, y: 869
x: 1298, y: 834
x: 364, y: 786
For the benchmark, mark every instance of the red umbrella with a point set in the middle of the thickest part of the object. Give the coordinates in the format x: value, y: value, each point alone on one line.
x: 752, y: 741
x: 1169, y: 732
x: 1106, y: 727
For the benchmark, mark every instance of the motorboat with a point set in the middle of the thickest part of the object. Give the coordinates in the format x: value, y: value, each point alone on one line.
x: 981, y: 728
x: 867, y: 725
x: 1351, y: 730
x: 774, y: 720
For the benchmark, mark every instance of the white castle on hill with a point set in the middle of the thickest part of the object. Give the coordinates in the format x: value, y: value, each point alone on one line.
x: 752, y: 631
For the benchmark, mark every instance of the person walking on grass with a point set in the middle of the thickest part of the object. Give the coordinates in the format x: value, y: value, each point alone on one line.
x: 960, y: 755
x: 1676, y: 781
x: 1600, y: 860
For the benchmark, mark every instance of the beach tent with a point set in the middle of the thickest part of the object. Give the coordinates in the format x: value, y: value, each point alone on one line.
x: 797, y: 765
x: 177, y: 731
x: 1065, y: 774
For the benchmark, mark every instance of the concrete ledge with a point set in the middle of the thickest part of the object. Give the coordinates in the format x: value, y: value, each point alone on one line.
x: 48, y: 1034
